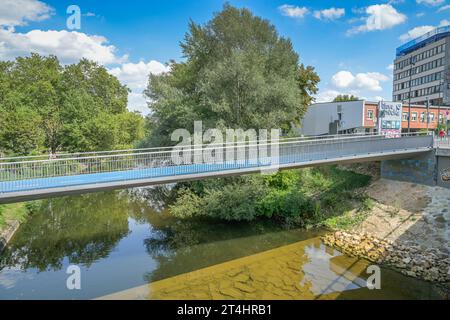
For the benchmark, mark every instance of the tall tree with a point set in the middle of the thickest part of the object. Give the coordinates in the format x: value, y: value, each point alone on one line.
x: 345, y: 97
x: 238, y: 73
x: 78, y: 107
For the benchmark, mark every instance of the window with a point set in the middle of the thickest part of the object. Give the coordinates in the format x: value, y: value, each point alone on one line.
x: 405, y: 116
x: 414, y: 116
x: 422, y: 117
x: 370, y: 114
x: 431, y: 116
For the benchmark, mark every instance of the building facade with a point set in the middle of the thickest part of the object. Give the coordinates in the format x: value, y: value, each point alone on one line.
x: 363, y: 116
x: 422, y: 69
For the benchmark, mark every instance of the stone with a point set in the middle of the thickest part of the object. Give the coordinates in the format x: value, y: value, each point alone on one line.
x: 244, y: 287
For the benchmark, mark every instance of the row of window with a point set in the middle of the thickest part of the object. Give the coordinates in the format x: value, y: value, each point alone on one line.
x: 417, y: 93
x: 418, y: 57
x: 418, y: 81
x: 419, y: 69
x: 431, y: 116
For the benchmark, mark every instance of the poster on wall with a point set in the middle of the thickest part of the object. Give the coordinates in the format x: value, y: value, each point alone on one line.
x: 390, y: 119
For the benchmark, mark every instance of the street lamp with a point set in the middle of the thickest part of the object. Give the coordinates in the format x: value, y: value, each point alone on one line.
x: 412, y: 63
x: 441, y: 89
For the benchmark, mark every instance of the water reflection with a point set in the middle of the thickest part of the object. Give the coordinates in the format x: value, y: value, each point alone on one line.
x: 82, y: 229
x: 125, y: 239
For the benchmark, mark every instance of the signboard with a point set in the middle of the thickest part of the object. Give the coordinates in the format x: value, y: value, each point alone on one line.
x: 390, y: 119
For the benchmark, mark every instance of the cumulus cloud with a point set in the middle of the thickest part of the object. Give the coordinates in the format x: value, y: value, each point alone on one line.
x: 19, y: 12
x: 327, y: 95
x: 362, y: 81
x: 420, y: 31
x: 444, y: 8
x: 329, y: 14
x: 68, y: 46
x: 430, y: 2
x: 293, y: 11
x: 379, y: 17
x: 135, y: 76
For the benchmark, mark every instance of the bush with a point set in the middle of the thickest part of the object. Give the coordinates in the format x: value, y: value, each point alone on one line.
x: 305, y: 197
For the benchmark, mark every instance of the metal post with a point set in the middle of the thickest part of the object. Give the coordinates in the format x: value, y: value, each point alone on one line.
x: 411, y: 61
x: 428, y: 115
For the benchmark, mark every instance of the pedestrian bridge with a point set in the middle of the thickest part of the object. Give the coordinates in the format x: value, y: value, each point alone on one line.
x: 36, y: 177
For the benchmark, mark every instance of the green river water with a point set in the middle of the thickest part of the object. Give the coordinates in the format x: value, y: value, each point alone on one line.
x: 123, y: 240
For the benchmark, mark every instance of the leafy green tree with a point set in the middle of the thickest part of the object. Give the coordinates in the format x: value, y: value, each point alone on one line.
x: 238, y: 73
x: 345, y: 97
x: 78, y: 107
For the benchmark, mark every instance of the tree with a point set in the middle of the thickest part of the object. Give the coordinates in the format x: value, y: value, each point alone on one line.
x: 345, y: 97
x: 238, y: 73
x: 78, y: 107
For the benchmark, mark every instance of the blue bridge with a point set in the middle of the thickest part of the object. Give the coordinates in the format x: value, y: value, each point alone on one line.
x: 29, y: 178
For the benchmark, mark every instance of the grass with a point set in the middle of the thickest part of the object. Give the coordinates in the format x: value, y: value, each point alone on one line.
x: 352, y: 218
x: 16, y: 211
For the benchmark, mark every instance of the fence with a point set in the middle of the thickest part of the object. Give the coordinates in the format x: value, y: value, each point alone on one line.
x: 22, y: 174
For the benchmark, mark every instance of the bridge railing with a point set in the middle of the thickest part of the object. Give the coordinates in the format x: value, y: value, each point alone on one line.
x: 66, y: 155
x: 442, y: 143
x: 36, y: 174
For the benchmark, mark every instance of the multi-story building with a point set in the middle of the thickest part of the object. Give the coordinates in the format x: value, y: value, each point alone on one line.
x: 422, y: 69
x: 367, y: 117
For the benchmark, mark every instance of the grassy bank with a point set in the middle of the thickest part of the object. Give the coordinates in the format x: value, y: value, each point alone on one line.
x: 313, y: 197
x: 15, y: 212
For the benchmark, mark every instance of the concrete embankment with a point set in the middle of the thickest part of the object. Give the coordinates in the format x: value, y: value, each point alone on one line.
x: 7, y: 233
x: 430, y: 264
x: 407, y: 228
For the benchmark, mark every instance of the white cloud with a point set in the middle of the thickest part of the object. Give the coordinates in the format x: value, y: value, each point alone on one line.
x: 370, y: 81
x: 379, y: 17
x: 329, y: 14
x: 19, y: 12
x: 293, y: 11
x: 421, y: 30
x: 327, y: 95
x: 430, y: 2
x: 420, y: 14
x: 135, y: 76
x: 68, y: 46
x: 390, y: 67
x: 444, y: 8
x: 415, y: 32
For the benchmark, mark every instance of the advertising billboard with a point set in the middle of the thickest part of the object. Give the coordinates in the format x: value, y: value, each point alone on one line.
x: 390, y: 118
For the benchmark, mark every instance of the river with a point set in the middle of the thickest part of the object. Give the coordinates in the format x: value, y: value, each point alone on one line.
x: 125, y: 244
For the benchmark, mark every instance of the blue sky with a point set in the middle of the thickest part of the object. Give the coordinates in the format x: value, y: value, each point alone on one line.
x: 350, y: 43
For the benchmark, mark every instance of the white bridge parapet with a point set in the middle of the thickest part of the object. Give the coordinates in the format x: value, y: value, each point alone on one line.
x: 27, y: 178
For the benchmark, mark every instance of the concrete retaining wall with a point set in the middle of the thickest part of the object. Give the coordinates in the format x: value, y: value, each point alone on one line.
x: 432, y: 168
x: 421, y: 169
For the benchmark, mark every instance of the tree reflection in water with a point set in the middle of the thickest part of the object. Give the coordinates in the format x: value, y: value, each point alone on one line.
x: 82, y: 228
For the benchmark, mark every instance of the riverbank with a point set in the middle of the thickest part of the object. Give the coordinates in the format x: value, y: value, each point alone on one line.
x: 11, y: 217
x: 407, y: 229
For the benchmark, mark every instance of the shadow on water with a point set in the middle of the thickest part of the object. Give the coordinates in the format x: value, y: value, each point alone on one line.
x: 126, y: 239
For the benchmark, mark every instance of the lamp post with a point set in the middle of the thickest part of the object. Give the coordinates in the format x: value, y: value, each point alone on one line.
x: 441, y: 89
x: 428, y: 115
x: 412, y: 63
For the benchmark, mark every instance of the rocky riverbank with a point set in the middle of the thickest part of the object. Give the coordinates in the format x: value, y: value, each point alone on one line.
x: 430, y: 264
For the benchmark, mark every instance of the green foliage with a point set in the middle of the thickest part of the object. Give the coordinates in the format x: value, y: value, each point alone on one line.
x: 305, y: 197
x: 345, y: 97
x: 16, y: 212
x: 49, y: 107
x: 238, y: 73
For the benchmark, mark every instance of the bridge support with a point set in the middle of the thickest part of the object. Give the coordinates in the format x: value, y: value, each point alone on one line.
x: 431, y: 168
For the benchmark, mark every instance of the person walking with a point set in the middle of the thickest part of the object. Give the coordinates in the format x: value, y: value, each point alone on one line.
x: 442, y: 134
